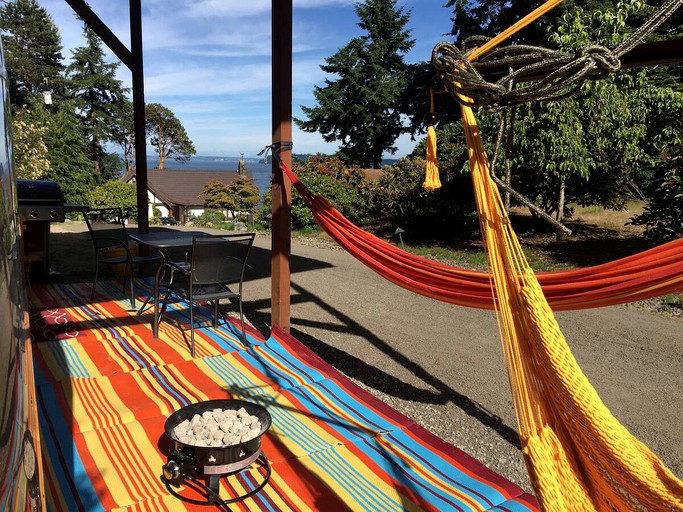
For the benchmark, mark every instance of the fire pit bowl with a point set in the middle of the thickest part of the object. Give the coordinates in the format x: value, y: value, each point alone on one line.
x: 212, y: 460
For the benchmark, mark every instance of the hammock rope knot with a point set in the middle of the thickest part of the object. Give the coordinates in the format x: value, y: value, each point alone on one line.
x: 545, y: 74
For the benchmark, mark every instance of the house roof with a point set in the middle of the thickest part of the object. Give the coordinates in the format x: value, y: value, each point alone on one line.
x: 184, y: 188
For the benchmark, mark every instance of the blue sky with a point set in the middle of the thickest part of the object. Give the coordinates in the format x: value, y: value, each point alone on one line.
x: 209, y: 61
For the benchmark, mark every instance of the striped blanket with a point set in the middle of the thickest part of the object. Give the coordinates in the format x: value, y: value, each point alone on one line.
x: 105, y: 388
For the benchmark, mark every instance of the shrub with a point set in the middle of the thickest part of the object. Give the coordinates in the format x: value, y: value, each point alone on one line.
x: 663, y: 216
x: 329, y: 177
x: 208, y: 218
x: 115, y: 194
x: 446, y: 213
x: 238, y: 197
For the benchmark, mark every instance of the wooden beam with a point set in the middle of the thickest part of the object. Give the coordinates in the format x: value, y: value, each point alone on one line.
x: 94, y: 22
x: 282, y: 133
x: 654, y: 54
x: 139, y: 114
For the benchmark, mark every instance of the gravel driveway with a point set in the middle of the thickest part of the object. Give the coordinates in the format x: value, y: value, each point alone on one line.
x: 442, y: 364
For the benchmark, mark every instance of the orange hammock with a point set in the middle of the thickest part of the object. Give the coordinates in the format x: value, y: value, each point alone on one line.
x: 651, y: 273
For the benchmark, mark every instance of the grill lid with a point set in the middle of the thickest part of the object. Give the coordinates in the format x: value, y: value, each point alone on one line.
x: 40, y: 200
x: 39, y: 192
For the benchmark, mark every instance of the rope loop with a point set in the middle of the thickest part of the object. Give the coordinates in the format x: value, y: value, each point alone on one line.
x: 548, y: 75
x: 543, y: 74
x: 603, y: 60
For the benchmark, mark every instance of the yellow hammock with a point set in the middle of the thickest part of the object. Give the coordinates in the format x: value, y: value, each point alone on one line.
x: 578, y: 455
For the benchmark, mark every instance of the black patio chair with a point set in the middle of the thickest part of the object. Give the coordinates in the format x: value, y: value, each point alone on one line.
x: 107, y: 227
x: 216, y: 263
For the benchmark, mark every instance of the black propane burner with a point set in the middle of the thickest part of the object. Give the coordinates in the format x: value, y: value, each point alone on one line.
x: 189, y: 464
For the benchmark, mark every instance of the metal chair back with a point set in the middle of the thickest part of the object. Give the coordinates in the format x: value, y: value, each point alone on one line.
x: 220, y: 259
x: 217, y: 261
x: 107, y: 226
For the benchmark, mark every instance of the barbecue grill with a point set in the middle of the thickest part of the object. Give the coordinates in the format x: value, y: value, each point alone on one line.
x: 190, y: 464
x: 40, y: 203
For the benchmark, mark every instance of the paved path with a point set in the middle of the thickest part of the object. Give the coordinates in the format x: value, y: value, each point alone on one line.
x: 442, y: 364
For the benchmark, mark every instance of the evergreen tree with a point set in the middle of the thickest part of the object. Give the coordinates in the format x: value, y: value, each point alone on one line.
x: 167, y: 135
x: 68, y: 151
x: 99, y: 98
x: 32, y: 49
x: 361, y: 109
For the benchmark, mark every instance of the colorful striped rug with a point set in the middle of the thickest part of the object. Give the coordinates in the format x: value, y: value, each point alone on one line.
x: 105, y: 388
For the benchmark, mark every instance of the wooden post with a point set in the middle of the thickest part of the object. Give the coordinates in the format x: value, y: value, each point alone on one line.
x: 282, y: 132
x: 139, y: 114
x: 132, y: 59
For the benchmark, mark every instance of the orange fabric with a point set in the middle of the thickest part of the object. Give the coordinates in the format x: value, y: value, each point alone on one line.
x: 651, y: 273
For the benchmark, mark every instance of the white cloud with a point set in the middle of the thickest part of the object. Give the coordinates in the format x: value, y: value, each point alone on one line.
x: 221, y: 8
x: 209, y: 61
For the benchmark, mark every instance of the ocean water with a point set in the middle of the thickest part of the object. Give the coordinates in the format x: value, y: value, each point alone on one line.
x: 260, y: 170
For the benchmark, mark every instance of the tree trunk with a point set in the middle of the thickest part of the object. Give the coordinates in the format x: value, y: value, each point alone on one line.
x: 162, y: 156
x: 129, y: 154
x: 508, y: 180
x: 508, y: 151
x: 560, y: 211
x: 377, y: 157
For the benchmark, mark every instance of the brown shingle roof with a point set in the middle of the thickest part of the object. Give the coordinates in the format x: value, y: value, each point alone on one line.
x: 184, y: 188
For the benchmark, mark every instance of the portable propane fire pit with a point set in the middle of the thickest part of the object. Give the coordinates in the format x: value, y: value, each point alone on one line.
x: 213, y: 440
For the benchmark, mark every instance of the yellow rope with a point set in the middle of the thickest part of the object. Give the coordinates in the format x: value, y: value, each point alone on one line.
x: 512, y: 30
x: 578, y: 455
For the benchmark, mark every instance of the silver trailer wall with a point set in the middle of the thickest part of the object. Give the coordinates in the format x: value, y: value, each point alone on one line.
x: 20, y: 461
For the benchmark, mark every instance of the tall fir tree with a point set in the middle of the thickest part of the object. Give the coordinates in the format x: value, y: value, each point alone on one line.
x: 68, y: 152
x: 33, y: 50
x: 99, y: 97
x: 361, y: 109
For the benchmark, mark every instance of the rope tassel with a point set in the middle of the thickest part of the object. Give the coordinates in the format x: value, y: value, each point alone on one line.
x: 432, y: 181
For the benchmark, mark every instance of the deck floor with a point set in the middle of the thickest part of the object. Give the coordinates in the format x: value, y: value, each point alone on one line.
x: 105, y: 387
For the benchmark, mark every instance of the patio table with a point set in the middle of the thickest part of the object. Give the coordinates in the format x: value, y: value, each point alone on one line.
x: 164, y: 242
x: 166, y: 239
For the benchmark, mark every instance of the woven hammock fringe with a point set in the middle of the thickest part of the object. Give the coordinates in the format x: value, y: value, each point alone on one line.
x: 622, y: 473
x: 432, y: 181
x: 553, y: 473
x: 586, y: 460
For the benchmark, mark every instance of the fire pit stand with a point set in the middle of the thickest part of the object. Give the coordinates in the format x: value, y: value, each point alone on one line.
x: 212, y: 490
x: 192, y: 464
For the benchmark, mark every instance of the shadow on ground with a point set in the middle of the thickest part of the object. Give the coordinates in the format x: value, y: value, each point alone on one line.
x: 372, y: 376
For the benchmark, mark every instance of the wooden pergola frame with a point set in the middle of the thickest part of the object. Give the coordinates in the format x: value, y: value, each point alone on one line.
x: 664, y: 52
x: 281, y: 138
